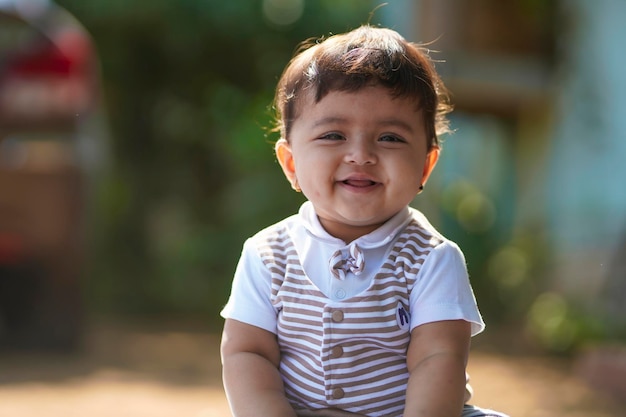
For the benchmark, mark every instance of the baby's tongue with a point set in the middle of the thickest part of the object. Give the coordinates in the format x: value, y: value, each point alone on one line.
x: 359, y: 183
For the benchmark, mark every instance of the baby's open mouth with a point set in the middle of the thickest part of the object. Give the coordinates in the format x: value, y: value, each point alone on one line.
x: 359, y: 183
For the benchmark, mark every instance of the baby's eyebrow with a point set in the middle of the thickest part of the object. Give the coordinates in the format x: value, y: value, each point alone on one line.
x: 328, y: 120
x: 396, y: 123
x: 383, y: 123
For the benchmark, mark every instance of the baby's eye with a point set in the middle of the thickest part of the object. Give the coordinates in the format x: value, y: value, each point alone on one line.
x: 391, y: 138
x: 332, y: 136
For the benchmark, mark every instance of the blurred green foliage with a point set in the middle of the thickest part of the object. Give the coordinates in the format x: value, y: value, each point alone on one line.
x: 187, y: 88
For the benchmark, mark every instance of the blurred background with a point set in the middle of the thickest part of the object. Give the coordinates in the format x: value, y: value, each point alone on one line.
x: 136, y: 157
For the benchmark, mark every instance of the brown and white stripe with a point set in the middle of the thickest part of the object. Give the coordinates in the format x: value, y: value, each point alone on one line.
x: 348, y: 354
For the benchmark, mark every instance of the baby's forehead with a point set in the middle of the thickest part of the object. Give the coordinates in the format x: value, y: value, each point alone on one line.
x: 310, y: 97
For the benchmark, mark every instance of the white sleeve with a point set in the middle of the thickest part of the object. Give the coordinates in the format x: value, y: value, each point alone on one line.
x: 443, y: 291
x: 250, y: 297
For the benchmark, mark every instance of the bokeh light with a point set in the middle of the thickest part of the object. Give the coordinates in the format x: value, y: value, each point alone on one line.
x: 472, y: 208
x: 550, y: 322
x: 283, y: 12
x: 509, y: 267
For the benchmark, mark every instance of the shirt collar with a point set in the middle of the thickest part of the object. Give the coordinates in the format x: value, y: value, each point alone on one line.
x: 379, y: 237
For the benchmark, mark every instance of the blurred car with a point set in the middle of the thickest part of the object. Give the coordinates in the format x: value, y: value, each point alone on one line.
x: 48, y: 94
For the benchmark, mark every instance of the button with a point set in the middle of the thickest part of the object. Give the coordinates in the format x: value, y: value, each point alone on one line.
x: 340, y: 293
x: 338, y: 393
x: 337, y: 316
x: 336, y: 352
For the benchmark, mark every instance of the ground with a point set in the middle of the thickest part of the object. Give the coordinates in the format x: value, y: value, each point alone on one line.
x: 149, y: 370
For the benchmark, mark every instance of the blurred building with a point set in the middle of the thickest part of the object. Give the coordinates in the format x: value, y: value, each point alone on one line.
x: 540, y: 124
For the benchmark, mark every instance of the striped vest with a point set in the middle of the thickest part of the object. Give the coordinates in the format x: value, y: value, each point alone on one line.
x: 348, y: 354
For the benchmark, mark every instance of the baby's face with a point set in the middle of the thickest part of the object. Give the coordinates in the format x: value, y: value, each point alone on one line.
x: 359, y: 157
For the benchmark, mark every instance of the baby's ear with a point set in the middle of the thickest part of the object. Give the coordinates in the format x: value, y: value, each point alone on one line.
x: 431, y: 160
x: 285, y: 159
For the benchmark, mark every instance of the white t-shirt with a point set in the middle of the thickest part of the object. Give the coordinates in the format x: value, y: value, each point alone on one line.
x: 250, y: 301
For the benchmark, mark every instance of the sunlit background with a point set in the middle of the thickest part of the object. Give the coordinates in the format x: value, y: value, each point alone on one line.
x: 136, y: 157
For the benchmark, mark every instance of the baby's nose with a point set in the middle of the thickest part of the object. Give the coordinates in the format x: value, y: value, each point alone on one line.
x: 361, y: 153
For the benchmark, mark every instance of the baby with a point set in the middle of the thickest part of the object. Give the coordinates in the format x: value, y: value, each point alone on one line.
x: 355, y: 305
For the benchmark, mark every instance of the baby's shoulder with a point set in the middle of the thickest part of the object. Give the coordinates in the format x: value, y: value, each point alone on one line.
x: 421, y: 235
x: 420, y: 225
x: 276, y: 233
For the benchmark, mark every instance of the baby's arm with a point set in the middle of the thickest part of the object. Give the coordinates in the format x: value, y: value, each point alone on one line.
x: 436, y: 360
x: 250, y: 358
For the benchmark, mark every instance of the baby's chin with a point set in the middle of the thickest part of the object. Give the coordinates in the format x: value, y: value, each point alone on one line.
x: 349, y: 229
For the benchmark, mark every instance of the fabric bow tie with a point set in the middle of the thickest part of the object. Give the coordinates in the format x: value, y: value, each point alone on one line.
x: 347, y: 260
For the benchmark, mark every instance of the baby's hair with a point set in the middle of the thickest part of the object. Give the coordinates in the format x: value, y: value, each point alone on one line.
x: 363, y: 57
